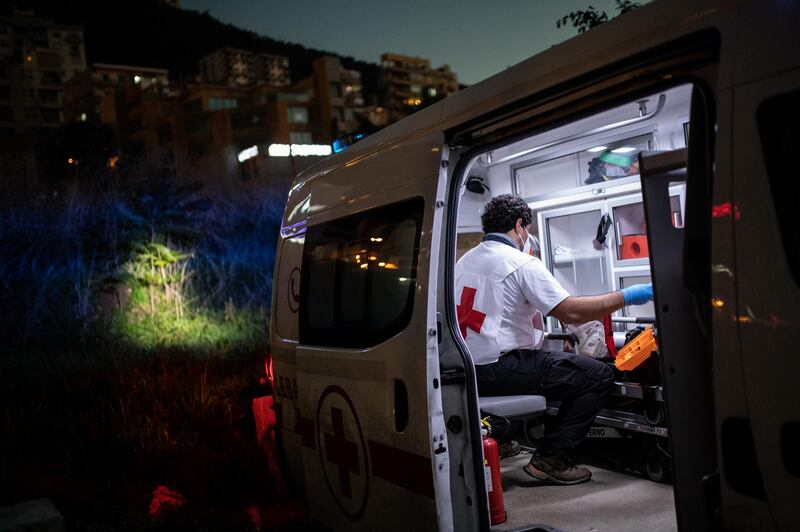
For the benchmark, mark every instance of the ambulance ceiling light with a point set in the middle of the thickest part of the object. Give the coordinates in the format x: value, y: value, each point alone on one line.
x: 597, y: 149
x: 624, y: 149
x: 662, y: 99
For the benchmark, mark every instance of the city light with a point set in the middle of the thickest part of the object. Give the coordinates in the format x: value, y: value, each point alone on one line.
x: 279, y: 150
x: 249, y: 153
x: 137, y: 79
x: 83, y: 117
x: 303, y: 150
x: 299, y: 150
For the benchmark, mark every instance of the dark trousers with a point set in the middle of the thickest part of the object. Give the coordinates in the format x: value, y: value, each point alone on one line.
x: 580, y: 383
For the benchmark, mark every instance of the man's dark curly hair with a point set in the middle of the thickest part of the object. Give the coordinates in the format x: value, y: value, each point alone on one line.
x: 502, y: 212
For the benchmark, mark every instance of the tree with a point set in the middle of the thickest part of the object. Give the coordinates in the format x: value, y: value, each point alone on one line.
x: 591, y: 17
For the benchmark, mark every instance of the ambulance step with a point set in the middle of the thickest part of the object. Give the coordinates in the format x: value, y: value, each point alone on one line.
x: 622, y: 420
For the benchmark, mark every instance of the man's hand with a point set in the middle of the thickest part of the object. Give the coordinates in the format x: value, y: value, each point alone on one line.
x: 638, y: 294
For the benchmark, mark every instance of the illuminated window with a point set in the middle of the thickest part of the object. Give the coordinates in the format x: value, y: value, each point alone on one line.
x: 300, y: 137
x: 297, y: 115
x: 216, y: 104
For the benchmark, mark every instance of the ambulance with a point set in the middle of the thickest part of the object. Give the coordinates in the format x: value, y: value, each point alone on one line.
x: 669, y: 132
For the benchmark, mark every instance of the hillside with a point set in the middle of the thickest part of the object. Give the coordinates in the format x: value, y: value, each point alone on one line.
x: 150, y: 33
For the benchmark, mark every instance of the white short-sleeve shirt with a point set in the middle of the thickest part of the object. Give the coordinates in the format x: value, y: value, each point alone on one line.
x: 502, y: 294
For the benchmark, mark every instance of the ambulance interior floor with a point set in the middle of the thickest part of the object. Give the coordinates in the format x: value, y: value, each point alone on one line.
x: 610, y: 501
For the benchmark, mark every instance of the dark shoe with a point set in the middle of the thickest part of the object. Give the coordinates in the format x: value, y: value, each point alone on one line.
x: 556, y: 468
x: 509, y: 449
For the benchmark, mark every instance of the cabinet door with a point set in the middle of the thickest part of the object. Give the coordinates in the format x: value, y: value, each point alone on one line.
x: 569, y: 250
x: 629, y: 246
x: 629, y: 242
x: 628, y: 278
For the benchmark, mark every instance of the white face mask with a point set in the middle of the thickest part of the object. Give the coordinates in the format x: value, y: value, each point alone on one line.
x: 526, y: 242
x: 523, y: 240
x: 527, y: 247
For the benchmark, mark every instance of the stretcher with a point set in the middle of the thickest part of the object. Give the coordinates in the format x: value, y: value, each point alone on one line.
x: 635, y: 410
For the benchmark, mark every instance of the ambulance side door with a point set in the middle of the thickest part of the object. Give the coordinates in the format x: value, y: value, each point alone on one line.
x: 367, y: 361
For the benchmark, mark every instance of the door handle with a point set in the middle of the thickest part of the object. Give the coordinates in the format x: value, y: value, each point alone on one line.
x: 400, y: 406
x: 602, y: 272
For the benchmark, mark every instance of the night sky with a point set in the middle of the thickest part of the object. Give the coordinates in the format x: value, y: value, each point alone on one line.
x: 477, y: 38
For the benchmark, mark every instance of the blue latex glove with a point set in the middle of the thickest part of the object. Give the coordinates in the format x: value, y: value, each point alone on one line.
x: 638, y: 294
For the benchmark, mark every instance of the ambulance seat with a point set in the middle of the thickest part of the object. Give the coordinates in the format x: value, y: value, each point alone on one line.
x: 513, y: 405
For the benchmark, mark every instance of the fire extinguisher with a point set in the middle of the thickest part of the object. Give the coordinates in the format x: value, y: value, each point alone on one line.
x: 491, y: 470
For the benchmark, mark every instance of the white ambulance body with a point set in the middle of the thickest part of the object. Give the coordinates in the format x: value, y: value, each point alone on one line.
x: 376, y: 395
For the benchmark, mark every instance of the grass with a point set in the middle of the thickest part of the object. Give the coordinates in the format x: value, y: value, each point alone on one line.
x: 202, y: 332
x: 107, y: 392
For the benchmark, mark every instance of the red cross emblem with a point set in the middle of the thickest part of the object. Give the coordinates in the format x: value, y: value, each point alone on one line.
x: 468, y: 317
x: 342, y: 451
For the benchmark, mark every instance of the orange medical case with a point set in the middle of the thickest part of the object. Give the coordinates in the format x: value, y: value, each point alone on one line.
x: 636, y: 351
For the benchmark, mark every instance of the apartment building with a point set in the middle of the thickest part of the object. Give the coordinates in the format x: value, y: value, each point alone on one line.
x: 338, y: 98
x: 84, y: 94
x: 37, y: 56
x: 242, y: 68
x: 409, y: 83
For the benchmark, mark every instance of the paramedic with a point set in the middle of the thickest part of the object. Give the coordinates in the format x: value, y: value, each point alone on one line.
x: 500, y: 292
